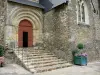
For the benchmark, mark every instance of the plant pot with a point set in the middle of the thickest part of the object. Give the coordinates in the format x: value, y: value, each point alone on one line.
x: 80, y: 60
x: 1, y: 61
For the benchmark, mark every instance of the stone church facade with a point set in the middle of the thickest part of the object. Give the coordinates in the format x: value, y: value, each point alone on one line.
x: 58, y: 30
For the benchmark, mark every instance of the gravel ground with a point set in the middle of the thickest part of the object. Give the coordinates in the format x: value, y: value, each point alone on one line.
x: 13, y: 69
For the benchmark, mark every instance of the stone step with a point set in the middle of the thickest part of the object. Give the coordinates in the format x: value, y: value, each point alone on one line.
x: 47, y: 64
x: 38, y: 52
x: 27, y: 48
x: 36, y: 57
x: 41, y: 54
x: 43, y: 62
x: 32, y: 48
x: 33, y: 52
x: 50, y: 68
x: 31, y: 58
x: 42, y: 59
x: 21, y: 53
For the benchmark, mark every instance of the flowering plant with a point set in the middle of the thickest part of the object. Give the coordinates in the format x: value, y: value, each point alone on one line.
x: 83, y: 54
x: 79, y: 51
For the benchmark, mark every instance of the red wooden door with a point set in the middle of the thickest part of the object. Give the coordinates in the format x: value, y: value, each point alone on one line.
x: 25, y: 26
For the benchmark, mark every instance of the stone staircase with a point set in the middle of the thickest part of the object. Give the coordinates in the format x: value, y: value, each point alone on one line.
x: 39, y: 60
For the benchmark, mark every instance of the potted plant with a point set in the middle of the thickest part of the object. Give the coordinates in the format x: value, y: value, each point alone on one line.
x: 1, y: 56
x: 79, y: 56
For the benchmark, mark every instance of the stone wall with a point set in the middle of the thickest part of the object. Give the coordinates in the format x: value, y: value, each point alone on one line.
x: 62, y: 33
x: 3, y: 5
x: 96, y: 17
x: 56, y: 31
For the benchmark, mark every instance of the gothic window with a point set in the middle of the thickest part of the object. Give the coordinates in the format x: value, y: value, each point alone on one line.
x: 82, y: 12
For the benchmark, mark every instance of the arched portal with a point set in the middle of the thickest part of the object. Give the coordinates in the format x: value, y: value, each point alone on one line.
x: 25, y: 34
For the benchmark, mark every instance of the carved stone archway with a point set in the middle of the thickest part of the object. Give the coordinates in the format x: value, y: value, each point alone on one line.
x: 33, y: 15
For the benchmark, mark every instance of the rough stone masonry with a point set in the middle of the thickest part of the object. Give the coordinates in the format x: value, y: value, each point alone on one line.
x: 57, y: 30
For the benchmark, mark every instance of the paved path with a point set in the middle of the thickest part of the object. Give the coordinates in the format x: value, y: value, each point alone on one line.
x: 13, y: 69
x: 91, y: 69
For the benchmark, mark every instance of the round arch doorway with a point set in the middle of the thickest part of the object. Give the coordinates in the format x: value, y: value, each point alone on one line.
x: 25, y: 34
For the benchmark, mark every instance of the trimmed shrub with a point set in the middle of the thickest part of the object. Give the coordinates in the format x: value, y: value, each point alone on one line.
x: 80, y: 46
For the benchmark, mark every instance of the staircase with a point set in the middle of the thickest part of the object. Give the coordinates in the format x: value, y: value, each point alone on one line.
x: 39, y: 60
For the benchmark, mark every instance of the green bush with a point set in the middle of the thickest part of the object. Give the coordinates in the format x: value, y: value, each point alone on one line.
x: 74, y: 52
x: 80, y: 46
x: 1, y: 51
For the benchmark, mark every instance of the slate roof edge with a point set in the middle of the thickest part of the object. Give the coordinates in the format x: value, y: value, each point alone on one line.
x: 59, y: 4
x: 29, y: 3
x: 56, y: 6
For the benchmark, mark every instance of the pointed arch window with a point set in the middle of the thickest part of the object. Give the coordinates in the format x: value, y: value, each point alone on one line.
x: 82, y: 12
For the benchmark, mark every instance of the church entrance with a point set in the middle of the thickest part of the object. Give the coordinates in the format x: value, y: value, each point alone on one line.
x: 25, y: 34
x: 25, y: 39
